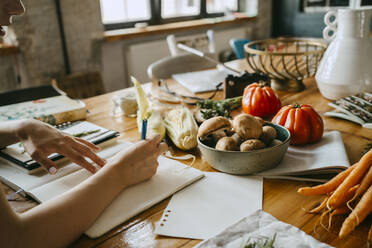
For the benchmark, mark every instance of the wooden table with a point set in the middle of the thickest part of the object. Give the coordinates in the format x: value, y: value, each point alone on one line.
x: 280, y: 197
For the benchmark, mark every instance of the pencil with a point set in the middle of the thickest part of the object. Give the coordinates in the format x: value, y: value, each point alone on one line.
x: 144, y: 129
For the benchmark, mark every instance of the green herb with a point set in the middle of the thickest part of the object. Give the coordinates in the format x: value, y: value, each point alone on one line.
x: 20, y: 144
x: 260, y: 242
x: 211, y: 108
x: 82, y: 134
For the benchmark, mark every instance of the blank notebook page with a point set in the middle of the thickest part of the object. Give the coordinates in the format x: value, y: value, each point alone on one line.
x: 210, y: 205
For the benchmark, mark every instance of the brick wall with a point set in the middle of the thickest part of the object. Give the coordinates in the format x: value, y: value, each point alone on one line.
x: 40, y: 41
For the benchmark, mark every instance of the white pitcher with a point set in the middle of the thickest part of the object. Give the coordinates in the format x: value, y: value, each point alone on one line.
x: 346, y: 67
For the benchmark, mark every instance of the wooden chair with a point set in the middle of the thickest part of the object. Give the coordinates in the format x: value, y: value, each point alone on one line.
x: 166, y: 67
x: 202, y: 42
x: 82, y: 85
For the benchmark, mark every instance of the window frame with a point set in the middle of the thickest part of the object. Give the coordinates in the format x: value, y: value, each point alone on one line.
x: 156, y: 18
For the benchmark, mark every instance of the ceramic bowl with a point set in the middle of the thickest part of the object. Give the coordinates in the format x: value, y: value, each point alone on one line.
x: 236, y: 162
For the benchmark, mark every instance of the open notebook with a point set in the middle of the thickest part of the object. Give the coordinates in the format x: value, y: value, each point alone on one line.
x: 312, y: 162
x: 171, y: 176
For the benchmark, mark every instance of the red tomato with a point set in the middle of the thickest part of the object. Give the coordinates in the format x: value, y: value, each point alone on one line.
x: 302, y: 121
x: 260, y: 100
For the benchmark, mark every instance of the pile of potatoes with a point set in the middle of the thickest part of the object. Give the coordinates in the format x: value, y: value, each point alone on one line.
x: 244, y: 133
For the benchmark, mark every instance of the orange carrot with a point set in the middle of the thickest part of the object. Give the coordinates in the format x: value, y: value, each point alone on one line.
x: 341, y: 210
x: 338, y: 211
x: 328, y: 186
x: 365, y: 183
x: 321, y: 206
x: 355, y: 176
x: 349, y: 195
x: 361, y: 211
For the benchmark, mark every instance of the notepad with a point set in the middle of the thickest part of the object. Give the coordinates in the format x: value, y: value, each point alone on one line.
x: 210, y: 205
x: 201, y: 81
x: 171, y: 176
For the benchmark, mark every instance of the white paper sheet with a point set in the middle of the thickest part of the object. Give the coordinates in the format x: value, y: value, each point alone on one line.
x: 326, y: 155
x: 210, y: 205
x: 201, y: 81
x: 259, y: 224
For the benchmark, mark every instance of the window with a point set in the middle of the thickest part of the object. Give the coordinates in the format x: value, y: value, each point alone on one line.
x: 325, y: 5
x: 126, y: 13
x: 116, y: 11
x: 218, y: 6
x: 172, y: 8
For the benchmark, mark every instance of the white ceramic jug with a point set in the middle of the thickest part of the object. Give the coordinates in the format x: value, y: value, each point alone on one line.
x: 346, y: 67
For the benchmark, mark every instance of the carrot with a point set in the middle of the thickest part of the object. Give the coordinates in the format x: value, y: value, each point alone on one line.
x: 351, y: 192
x: 365, y: 183
x: 321, y: 206
x: 328, y: 186
x: 338, y: 211
x: 348, y: 195
x: 344, y: 209
x: 356, y: 174
x: 361, y: 211
x: 341, y: 210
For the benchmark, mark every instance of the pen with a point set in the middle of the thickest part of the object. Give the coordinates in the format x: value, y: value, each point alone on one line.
x: 144, y: 129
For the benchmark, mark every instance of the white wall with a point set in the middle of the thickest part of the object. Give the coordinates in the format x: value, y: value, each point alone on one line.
x: 140, y: 56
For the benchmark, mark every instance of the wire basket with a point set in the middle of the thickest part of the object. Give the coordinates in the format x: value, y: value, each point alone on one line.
x: 288, y: 61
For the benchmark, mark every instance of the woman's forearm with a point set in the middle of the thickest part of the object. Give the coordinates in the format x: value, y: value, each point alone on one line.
x: 59, y: 221
x: 69, y: 215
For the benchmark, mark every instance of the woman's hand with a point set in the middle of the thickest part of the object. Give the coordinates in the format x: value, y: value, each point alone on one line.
x: 139, y: 162
x: 40, y: 140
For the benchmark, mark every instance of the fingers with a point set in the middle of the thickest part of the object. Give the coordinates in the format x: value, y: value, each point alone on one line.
x: 155, y: 146
x: 85, y: 151
x: 89, y: 144
x: 78, y: 159
x: 163, y: 147
x: 48, y: 164
x: 155, y: 140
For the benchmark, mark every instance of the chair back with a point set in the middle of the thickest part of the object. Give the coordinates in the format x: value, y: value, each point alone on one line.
x: 166, y: 67
x: 202, y: 42
x: 82, y: 85
x: 238, y: 47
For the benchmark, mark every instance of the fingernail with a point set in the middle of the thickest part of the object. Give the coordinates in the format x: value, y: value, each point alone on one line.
x: 52, y: 170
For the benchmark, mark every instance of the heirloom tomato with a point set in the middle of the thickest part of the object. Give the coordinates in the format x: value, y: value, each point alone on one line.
x: 260, y: 100
x: 302, y: 121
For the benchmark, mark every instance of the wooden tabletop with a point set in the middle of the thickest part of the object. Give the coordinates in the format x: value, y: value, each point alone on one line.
x: 280, y: 197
